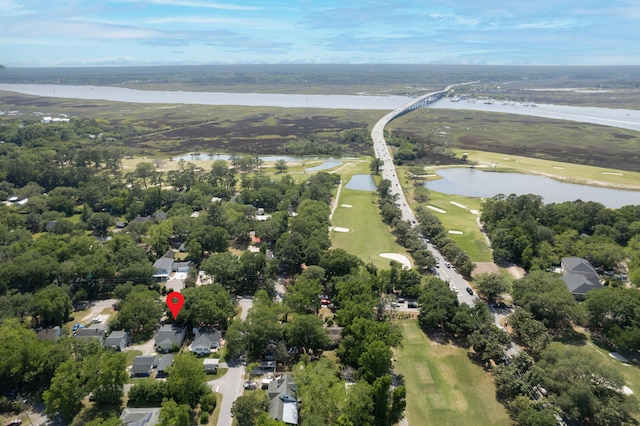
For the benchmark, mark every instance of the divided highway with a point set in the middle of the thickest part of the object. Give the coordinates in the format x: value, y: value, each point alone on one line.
x: 456, y: 282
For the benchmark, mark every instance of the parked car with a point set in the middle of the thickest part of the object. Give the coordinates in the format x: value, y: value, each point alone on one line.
x: 76, y: 327
x: 400, y: 300
x: 447, y: 264
x: 250, y: 385
x: 470, y: 291
x: 412, y: 305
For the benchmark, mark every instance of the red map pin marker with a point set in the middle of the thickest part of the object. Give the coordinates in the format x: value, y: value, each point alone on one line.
x: 175, y: 301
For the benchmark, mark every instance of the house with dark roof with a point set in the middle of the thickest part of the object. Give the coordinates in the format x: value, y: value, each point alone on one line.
x: 579, y: 276
x: 165, y: 362
x: 118, y: 340
x: 205, y: 341
x: 92, y: 332
x: 49, y: 333
x: 143, y: 365
x: 283, y: 403
x: 140, y: 416
x: 169, y: 338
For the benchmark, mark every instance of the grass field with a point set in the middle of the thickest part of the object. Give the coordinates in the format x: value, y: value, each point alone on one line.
x: 511, y: 134
x: 443, y: 386
x: 367, y: 236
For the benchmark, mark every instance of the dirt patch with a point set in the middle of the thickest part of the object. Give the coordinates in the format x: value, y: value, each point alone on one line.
x: 485, y: 268
x: 517, y: 272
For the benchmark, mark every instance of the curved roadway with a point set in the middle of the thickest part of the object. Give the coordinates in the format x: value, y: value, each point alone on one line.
x: 456, y: 282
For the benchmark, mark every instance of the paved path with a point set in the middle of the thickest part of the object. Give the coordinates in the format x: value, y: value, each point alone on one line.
x: 335, y: 201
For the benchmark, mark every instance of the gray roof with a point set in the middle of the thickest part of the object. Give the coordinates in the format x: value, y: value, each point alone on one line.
x: 165, y: 362
x: 578, y: 265
x: 283, y: 405
x: 143, y: 363
x: 170, y: 333
x: 207, y: 338
x: 579, y: 284
x: 140, y: 416
x: 115, y: 338
x: 164, y: 263
x: 90, y: 333
x: 49, y: 333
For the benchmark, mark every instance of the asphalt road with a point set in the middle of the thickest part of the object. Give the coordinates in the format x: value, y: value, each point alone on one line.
x: 455, y: 280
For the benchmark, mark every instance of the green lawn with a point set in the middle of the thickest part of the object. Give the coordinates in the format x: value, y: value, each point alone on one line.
x: 443, y: 386
x: 367, y: 236
x: 131, y: 355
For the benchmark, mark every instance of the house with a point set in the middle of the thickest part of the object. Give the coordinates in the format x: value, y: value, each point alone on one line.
x: 95, y: 331
x: 169, y: 338
x: 579, y: 276
x: 164, y: 267
x: 118, y: 340
x: 164, y: 363
x: 181, y: 266
x: 144, y: 219
x: 121, y: 225
x: 143, y: 365
x: 50, y: 226
x: 283, y: 403
x: 49, y: 333
x: 211, y: 365
x: 205, y: 341
x: 160, y: 216
x: 140, y: 416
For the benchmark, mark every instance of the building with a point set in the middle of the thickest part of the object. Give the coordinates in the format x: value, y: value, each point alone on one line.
x: 211, y: 365
x: 118, y: 340
x: 164, y: 363
x: 205, y: 341
x: 95, y: 331
x: 143, y: 365
x: 49, y: 333
x: 140, y: 416
x: 283, y: 403
x: 170, y: 338
x: 579, y: 276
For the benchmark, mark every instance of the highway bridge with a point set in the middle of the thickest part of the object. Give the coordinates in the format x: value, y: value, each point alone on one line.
x: 381, y: 150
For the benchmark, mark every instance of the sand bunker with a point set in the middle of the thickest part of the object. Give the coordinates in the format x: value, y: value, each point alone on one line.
x: 462, y: 206
x: 474, y: 211
x: 558, y: 167
x: 456, y: 232
x: 436, y: 209
x: 338, y: 229
x: 614, y: 174
x: 348, y: 206
x: 401, y: 258
x: 617, y: 356
x: 626, y: 390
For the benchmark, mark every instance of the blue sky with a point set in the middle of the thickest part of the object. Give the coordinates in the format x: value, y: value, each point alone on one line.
x: 156, y: 32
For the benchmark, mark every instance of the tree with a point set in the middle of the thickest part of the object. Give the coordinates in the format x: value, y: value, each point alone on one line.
x: 247, y: 408
x: 491, y: 286
x: 281, y: 166
x: 389, y: 405
x: 421, y: 194
x: 209, y: 305
x: 139, y: 313
x: 65, y: 393
x: 438, y: 305
x: 319, y: 382
x: 358, y: 409
x: 108, y: 379
x: 186, y: 379
x: 489, y: 343
x: 144, y: 171
x: 306, y: 333
x: 375, y: 361
x: 173, y: 414
x: 531, y: 332
x: 52, y: 305
x: 616, y: 312
x: 302, y: 296
x: 375, y: 165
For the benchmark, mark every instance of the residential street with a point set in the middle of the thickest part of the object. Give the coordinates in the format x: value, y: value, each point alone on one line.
x: 230, y: 386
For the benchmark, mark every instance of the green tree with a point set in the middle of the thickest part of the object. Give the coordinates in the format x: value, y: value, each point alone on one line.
x: 173, y: 414
x: 319, y: 382
x: 52, y: 305
x: 207, y: 305
x: 65, y: 393
x: 99, y: 223
x: 139, y: 313
x: 358, y: 409
x: 144, y: 171
x: 246, y: 409
x: 531, y: 332
x: 306, y: 333
x: 302, y: 296
x: 108, y: 379
x: 389, y: 405
x: 491, y: 286
x: 438, y: 305
x: 186, y: 379
x: 375, y: 361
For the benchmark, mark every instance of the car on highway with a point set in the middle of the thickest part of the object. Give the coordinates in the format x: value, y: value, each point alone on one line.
x: 469, y: 291
x: 447, y: 264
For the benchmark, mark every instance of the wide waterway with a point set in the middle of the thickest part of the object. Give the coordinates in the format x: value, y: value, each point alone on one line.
x: 476, y: 183
x: 623, y: 118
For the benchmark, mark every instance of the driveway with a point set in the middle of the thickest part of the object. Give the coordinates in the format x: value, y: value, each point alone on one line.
x: 96, y: 308
x: 147, y: 348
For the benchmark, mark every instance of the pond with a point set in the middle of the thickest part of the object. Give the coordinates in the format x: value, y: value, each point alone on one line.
x: 476, y: 183
x: 362, y: 183
x: 324, y: 166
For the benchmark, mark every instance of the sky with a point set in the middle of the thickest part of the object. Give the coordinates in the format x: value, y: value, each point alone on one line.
x: 189, y: 32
